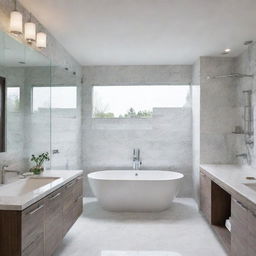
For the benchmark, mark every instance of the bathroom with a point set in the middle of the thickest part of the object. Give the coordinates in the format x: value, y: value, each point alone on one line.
x: 127, y: 128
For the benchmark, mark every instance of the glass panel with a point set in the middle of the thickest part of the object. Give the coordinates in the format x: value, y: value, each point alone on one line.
x: 136, y: 101
x: 23, y: 68
x: 40, y: 99
x: 13, y: 99
x: 65, y: 121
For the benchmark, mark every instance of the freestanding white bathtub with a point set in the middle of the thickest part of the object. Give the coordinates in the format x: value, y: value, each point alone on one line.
x: 140, y: 191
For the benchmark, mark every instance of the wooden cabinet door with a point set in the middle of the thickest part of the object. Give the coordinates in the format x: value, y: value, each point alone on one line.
x: 78, y: 198
x: 251, y: 234
x: 239, y: 229
x: 68, y: 205
x: 36, y: 248
x: 32, y: 228
x: 53, y: 221
x: 205, y: 196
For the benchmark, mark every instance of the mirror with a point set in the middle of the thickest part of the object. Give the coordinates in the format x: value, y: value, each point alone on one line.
x: 22, y: 128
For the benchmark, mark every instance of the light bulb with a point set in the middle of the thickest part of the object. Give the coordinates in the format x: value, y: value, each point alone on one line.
x: 41, y: 40
x: 16, y: 24
x: 30, y: 32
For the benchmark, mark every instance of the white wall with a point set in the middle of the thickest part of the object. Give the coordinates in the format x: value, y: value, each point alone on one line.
x: 165, y: 140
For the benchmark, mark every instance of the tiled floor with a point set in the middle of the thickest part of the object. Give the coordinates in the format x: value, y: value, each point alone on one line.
x: 179, y: 231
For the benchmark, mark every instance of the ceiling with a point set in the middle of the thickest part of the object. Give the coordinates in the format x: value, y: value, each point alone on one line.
x: 147, y: 32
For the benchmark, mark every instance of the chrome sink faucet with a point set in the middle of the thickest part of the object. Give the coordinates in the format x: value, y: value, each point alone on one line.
x: 136, y: 162
x: 4, y: 170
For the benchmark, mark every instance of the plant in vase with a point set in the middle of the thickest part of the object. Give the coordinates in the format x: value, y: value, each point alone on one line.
x: 38, y: 162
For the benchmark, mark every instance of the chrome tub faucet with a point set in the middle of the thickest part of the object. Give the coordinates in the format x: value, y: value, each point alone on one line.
x: 136, y: 161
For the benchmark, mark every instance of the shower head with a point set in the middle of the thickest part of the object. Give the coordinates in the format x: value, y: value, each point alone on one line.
x: 234, y: 75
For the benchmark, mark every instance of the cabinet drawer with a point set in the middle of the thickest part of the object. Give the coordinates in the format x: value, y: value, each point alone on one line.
x: 238, y: 248
x: 53, y: 237
x: 32, y: 223
x: 53, y: 221
x: 239, y: 229
x: 252, y: 234
x: 205, y: 196
x: 53, y: 206
x: 78, y: 187
x: 239, y: 212
x: 78, y: 208
x: 36, y: 247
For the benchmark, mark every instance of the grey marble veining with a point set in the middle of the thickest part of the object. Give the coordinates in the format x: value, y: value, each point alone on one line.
x: 165, y: 140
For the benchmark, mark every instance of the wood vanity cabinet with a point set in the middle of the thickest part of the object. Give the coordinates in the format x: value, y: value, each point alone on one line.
x: 243, y: 233
x: 39, y: 229
x: 53, y: 221
x: 73, y: 203
x: 251, y: 233
x: 32, y: 229
x: 239, y: 229
x: 205, y: 196
x: 217, y: 206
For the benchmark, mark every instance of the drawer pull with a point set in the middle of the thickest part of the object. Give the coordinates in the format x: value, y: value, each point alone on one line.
x: 240, y: 204
x: 70, y: 184
x: 202, y: 174
x: 36, y: 210
x: 55, y: 196
x: 79, y: 178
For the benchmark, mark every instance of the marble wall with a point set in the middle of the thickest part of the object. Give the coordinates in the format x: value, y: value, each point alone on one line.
x: 60, y: 58
x: 165, y: 140
x: 245, y: 64
x: 218, y: 113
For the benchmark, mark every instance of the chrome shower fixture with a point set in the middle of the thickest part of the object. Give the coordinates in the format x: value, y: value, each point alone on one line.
x: 235, y: 75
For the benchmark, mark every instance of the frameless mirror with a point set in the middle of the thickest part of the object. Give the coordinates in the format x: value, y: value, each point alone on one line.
x: 22, y: 127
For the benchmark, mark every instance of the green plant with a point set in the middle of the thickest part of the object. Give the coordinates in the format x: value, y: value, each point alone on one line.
x: 40, y: 159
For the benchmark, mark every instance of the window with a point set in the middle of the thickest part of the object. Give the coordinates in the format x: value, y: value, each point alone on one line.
x: 58, y: 97
x: 13, y: 99
x: 136, y: 101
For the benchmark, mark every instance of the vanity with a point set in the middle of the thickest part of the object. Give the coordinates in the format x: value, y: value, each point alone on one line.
x: 37, y: 212
x: 230, y: 191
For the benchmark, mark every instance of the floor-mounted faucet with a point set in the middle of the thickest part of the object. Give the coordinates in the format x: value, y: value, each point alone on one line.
x: 4, y: 170
x: 136, y: 162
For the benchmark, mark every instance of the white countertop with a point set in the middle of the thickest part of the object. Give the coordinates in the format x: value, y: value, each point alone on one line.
x: 23, y: 201
x: 232, y: 178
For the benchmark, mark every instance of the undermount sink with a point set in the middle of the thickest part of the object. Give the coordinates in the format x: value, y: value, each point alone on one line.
x: 22, y: 187
x: 251, y: 185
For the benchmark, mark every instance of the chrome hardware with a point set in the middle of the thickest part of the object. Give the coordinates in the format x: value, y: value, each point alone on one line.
x: 36, y: 210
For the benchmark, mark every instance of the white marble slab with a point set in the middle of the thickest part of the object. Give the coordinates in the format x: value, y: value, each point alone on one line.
x: 233, y: 179
x: 10, y: 201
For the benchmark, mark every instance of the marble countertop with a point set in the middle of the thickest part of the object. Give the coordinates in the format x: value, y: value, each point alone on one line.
x: 11, y: 201
x: 232, y: 178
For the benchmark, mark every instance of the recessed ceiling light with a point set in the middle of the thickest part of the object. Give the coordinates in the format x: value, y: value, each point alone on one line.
x: 226, y: 51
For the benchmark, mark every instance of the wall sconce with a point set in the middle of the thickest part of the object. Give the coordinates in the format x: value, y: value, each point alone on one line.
x: 16, y: 24
x: 30, y: 31
x: 41, y: 40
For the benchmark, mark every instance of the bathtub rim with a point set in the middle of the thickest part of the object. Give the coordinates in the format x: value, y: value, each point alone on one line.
x: 152, y: 179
